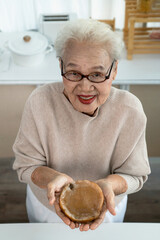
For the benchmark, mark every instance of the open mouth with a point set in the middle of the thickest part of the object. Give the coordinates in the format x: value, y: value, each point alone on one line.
x: 86, y: 99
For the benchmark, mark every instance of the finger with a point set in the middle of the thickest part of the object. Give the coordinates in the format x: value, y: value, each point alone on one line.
x: 111, y: 209
x: 72, y: 225
x: 104, y: 207
x: 77, y: 225
x: 61, y: 214
x: 54, y: 198
x: 64, y: 218
x: 110, y: 203
x: 51, y: 199
x: 62, y: 180
x: 111, y: 206
x: 98, y: 221
x: 84, y: 227
x: 55, y: 186
x: 51, y: 195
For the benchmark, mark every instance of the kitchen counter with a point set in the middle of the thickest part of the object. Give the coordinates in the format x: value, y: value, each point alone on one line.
x: 143, y: 69
x: 59, y: 231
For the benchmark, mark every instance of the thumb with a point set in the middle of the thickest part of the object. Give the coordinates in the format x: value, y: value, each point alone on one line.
x: 111, y: 205
x: 51, y: 195
x: 111, y: 209
x: 51, y: 200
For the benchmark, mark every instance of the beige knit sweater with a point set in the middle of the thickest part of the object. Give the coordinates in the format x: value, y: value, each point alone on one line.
x: 52, y: 133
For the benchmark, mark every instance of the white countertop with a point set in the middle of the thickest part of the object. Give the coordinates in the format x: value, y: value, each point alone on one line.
x: 59, y: 231
x: 143, y: 69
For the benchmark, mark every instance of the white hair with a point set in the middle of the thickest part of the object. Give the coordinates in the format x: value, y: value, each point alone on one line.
x: 89, y: 30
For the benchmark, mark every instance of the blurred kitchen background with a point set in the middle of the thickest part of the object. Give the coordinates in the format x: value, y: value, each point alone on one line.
x: 138, y: 23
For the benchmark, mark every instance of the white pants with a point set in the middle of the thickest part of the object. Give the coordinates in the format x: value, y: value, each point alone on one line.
x: 38, y: 213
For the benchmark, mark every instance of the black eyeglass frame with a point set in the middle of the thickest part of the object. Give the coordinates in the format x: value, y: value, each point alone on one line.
x: 86, y: 76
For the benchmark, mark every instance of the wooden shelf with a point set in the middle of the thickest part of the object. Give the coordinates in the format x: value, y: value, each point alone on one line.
x: 137, y: 39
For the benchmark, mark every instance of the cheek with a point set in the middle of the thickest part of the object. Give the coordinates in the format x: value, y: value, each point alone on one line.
x: 104, y: 93
x: 69, y: 88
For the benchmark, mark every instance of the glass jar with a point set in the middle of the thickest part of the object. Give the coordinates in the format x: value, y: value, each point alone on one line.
x: 144, y: 6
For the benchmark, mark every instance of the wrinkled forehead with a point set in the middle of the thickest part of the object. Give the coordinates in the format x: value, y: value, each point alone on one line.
x: 87, y: 52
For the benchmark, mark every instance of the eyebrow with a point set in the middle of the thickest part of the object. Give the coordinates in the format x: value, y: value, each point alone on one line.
x: 71, y: 65
x: 98, y: 67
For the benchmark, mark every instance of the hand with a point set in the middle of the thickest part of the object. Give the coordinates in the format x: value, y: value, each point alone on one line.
x: 82, y: 226
x: 109, y: 195
x: 54, y: 189
x: 56, y: 185
x: 64, y: 218
x: 108, y: 205
x: 111, y: 186
x: 95, y: 223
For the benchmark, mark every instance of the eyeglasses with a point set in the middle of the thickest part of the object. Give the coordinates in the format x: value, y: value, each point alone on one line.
x: 95, y: 77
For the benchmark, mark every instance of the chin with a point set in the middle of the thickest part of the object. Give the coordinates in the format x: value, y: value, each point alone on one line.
x: 88, y: 109
x: 89, y: 112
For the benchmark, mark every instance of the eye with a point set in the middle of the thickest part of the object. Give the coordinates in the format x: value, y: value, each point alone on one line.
x: 96, y: 75
x: 72, y: 74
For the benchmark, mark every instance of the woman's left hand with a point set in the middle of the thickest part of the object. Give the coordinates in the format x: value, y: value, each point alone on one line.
x: 109, y: 196
x: 112, y: 185
x: 108, y: 205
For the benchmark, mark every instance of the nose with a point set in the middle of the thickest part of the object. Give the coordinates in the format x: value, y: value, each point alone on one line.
x: 86, y: 85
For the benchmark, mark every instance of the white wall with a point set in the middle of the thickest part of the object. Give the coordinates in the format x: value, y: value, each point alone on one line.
x: 108, y: 9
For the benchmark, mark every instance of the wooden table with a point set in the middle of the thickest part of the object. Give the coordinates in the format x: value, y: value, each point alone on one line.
x: 59, y: 231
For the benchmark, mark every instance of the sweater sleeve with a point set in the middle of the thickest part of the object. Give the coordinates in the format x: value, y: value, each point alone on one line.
x: 29, y: 153
x: 130, y: 158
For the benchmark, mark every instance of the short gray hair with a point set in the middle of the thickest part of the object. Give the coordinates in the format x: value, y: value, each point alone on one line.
x: 89, y: 30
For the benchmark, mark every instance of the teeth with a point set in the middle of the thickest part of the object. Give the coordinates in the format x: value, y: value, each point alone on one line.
x: 86, y: 98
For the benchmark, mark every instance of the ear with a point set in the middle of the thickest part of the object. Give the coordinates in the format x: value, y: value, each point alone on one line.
x: 115, y: 67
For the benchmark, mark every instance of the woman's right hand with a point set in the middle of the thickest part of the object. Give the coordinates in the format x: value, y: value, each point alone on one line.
x: 54, y: 189
x: 47, y: 178
x: 55, y: 186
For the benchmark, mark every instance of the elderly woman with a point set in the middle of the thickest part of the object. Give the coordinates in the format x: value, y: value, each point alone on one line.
x: 82, y: 128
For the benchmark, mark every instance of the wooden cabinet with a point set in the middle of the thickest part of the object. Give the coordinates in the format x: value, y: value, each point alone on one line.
x: 137, y: 39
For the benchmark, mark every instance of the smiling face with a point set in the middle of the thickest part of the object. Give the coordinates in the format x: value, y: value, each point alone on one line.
x: 86, y: 58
